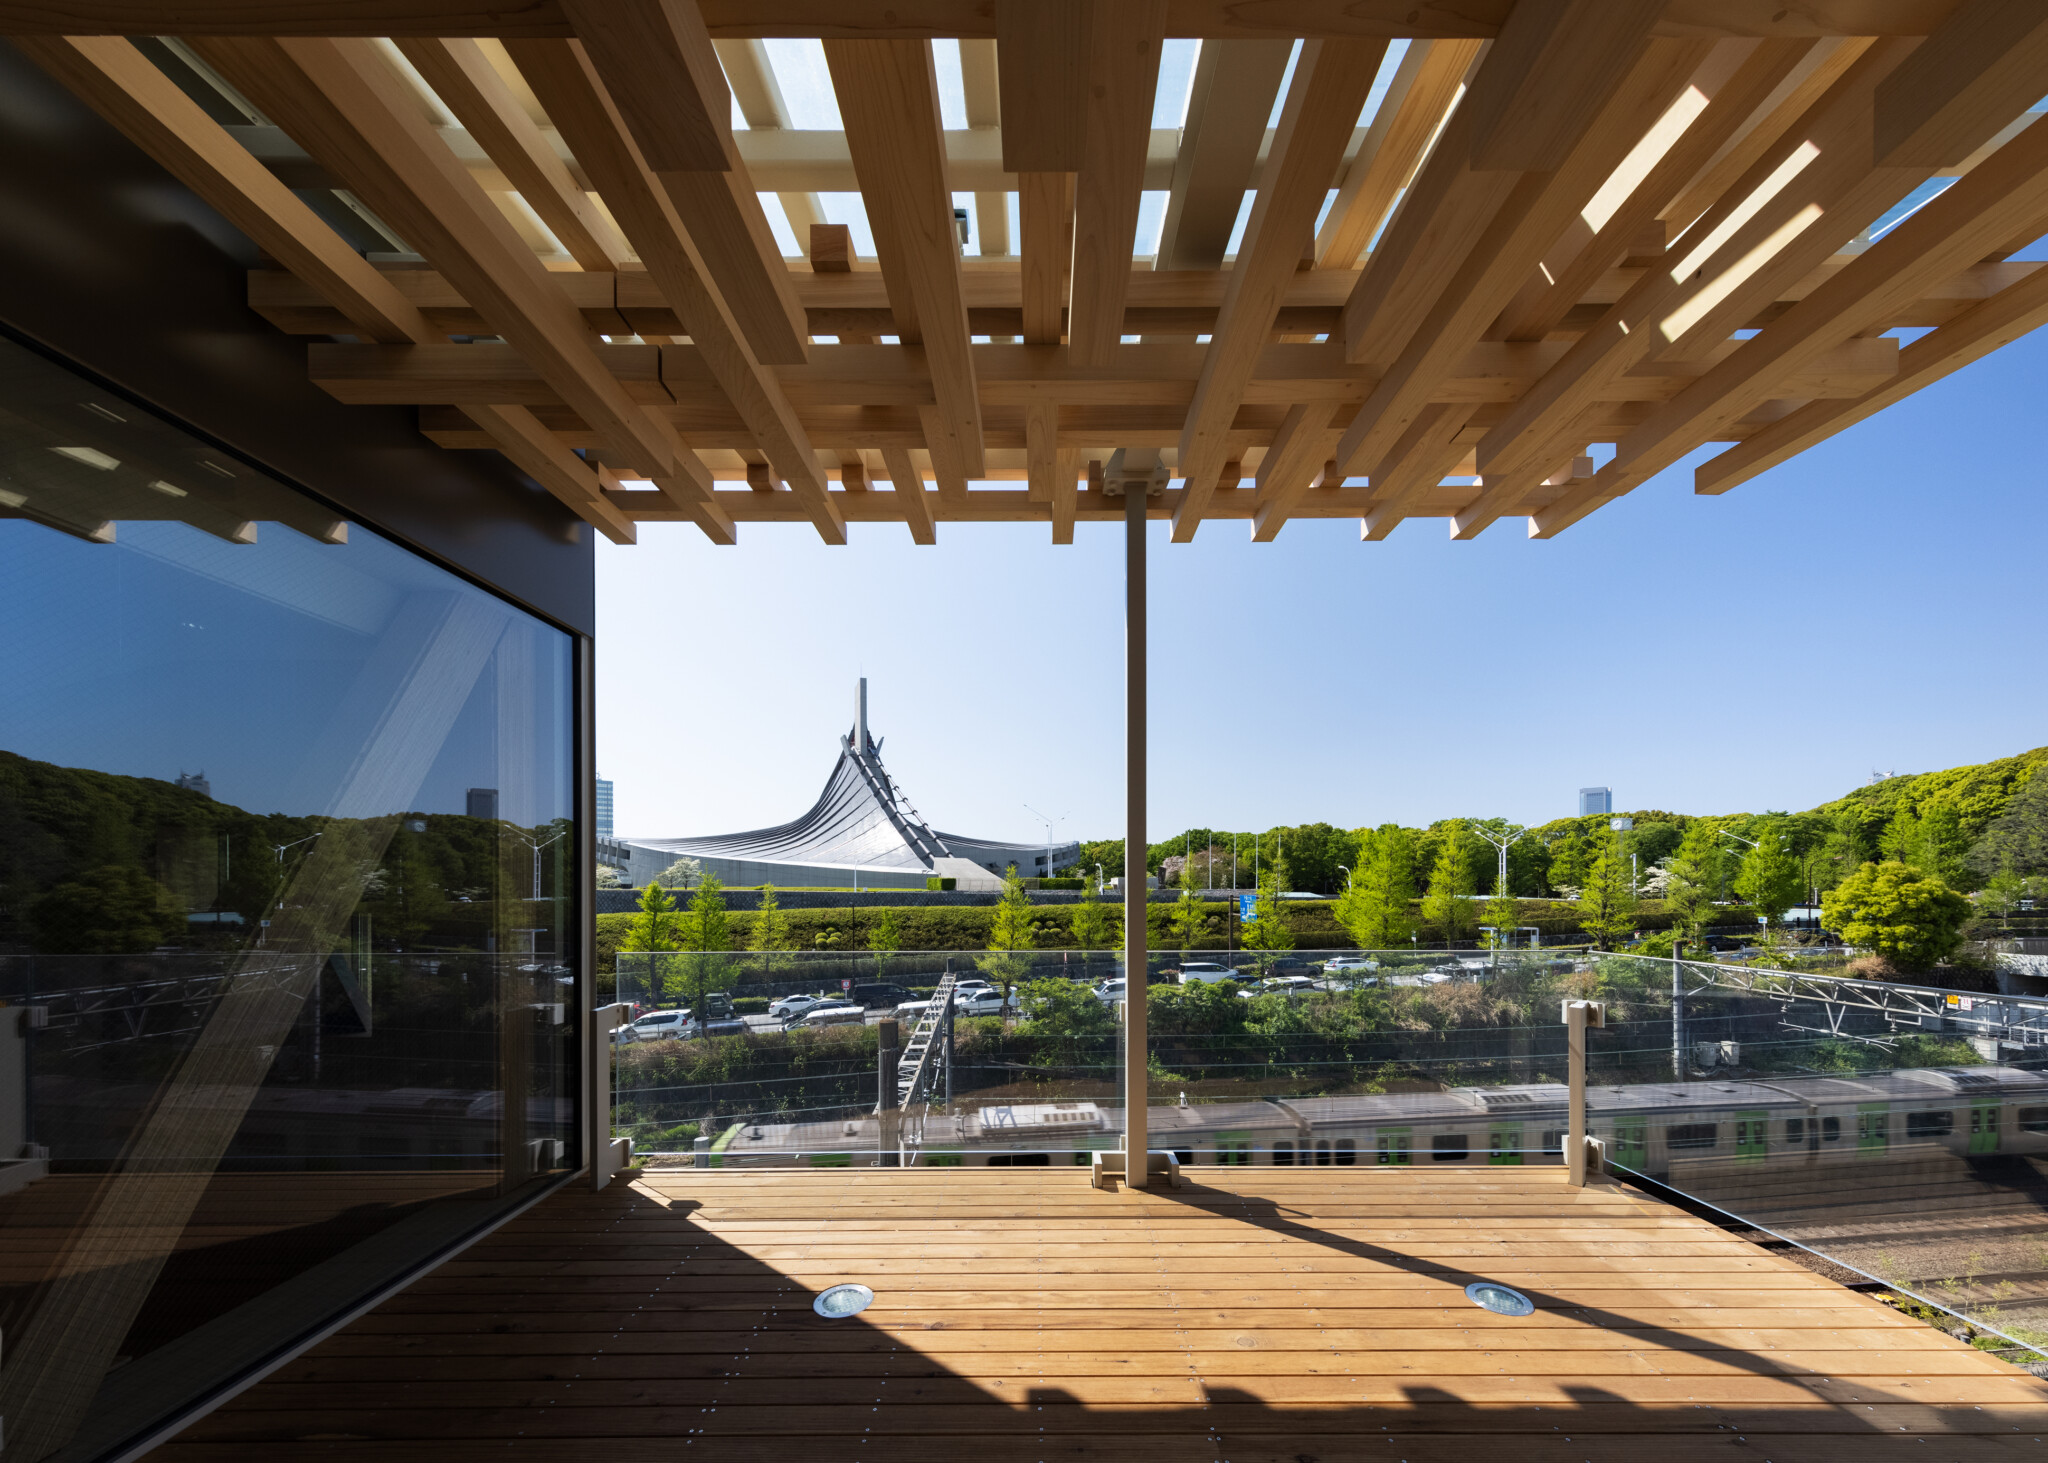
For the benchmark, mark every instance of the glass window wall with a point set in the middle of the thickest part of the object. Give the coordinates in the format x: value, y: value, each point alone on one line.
x: 287, y: 902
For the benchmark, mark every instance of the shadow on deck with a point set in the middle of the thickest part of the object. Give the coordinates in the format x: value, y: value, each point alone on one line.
x: 1311, y: 1316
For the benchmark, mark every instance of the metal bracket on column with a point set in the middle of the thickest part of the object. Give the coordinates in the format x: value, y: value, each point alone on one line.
x: 1115, y: 1164
x: 608, y: 1155
x: 1140, y: 465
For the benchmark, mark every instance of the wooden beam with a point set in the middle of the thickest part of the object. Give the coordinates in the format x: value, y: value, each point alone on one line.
x: 888, y: 96
x: 1978, y: 331
x: 1121, y: 62
x: 1331, y: 82
x: 1710, y: 113
x: 1418, y: 462
x: 1816, y: 178
x: 1040, y: 48
x: 754, y: 87
x: 1981, y: 70
x: 462, y: 77
x: 1548, y: 73
x: 658, y: 66
x: 909, y: 498
x: 343, y: 103
x: 1066, y: 473
x: 1428, y: 82
x: 1985, y: 206
x: 118, y: 82
x: 1229, y: 101
x: 1539, y: 208
x: 942, y: 19
x: 1041, y: 448
x: 1045, y: 217
x: 567, y: 85
x: 535, y: 451
x: 981, y: 90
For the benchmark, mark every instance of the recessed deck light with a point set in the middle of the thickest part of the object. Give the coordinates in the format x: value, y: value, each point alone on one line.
x: 842, y: 1301
x: 1499, y: 1299
x: 90, y: 456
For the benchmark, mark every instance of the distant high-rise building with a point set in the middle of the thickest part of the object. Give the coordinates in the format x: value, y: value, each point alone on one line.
x: 604, y: 808
x: 483, y: 803
x: 1595, y: 802
x: 195, y: 782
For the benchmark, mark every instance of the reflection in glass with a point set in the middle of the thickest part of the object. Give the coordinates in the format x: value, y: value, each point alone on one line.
x: 285, y: 906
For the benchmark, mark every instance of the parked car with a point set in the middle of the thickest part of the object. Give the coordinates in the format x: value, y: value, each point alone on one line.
x: 788, y: 1008
x: 1288, y: 985
x: 1110, y: 991
x: 832, y: 1013
x: 911, y: 1011
x: 985, y: 1001
x: 1341, y: 972
x: 1196, y: 971
x: 879, y: 996
x: 658, y: 1026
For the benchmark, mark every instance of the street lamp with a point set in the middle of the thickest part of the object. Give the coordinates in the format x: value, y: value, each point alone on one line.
x: 537, y: 847
x: 283, y: 847
x: 1348, y: 880
x: 1048, y: 834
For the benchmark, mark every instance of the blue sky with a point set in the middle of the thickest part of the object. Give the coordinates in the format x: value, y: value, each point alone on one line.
x: 1873, y: 605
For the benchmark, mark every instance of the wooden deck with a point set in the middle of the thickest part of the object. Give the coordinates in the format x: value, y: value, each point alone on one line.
x: 1255, y: 1316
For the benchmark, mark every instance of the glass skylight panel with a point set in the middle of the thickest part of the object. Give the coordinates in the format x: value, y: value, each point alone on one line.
x: 1906, y: 207
x: 952, y: 89
x: 1397, y: 52
x: 799, y: 66
x: 1323, y: 213
x: 1286, y: 80
x: 1244, y: 216
x: 850, y: 209
x: 778, y: 224
x: 1151, y: 222
x: 1177, y: 59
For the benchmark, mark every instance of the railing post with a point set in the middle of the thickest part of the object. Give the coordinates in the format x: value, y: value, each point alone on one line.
x: 607, y: 1154
x: 1677, y: 1015
x: 888, y: 1056
x: 1578, y: 1015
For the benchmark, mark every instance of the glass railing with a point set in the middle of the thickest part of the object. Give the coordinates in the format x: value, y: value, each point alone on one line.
x: 1898, y: 1131
x: 1278, y: 1057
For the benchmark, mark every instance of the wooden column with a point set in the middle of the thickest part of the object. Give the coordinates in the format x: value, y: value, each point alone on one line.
x: 1135, y: 1065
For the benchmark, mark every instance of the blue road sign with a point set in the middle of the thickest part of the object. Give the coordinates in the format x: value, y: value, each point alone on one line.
x: 1244, y: 906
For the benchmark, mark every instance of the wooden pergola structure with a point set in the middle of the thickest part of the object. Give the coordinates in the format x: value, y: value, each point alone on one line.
x: 1412, y: 260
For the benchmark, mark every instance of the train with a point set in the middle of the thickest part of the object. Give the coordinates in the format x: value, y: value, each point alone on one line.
x: 1649, y: 1128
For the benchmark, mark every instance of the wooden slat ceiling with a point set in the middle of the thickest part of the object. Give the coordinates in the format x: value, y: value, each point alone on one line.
x: 1489, y: 260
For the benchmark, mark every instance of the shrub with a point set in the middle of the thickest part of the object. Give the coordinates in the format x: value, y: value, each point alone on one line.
x: 938, y: 883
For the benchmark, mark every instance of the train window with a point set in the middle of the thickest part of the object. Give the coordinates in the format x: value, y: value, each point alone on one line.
x: 1681, y: 1137
x: 1830, y: 1129
x: 1930, y: 1124
x: 1347, y: 1152
x: 1450, y: 1148
x: 1323, y: 1152
x: 2034, y: 1119
x: 1283, y: 1154
x: 1795, y: 1130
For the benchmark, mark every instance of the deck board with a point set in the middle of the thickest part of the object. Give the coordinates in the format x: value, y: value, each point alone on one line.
x: 1021, y: 1315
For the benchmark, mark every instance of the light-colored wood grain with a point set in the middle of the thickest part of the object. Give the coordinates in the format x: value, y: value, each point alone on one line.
x: 1120, y: 61
x: 888, y: 96
x: 1252, y: 1311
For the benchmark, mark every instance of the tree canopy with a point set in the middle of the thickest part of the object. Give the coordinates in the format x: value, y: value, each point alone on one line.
x: 1897, y: 911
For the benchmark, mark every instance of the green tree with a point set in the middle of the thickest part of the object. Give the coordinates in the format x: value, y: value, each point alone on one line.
x: 658, y: 925
x: 706, y: 930
x: 885, y: 939
x: 1008, y: 932
x: 1571, y: 857
x: 1607, y: 905
x: 771, y: 937
x: 1268, y: 930
x: 1690, y: 884
x: 1092, y: 927
x: 2018, y: 837
x: 116, y: 910
x: 1769, y: 878
x: 1944, y: 850
x: 1901, y: 840
x: 1897, y: 911
x: 1450, y: 881
x: 2003, y: 892
x: 1374, y: 908
x: 1190, y: 920
x: 1061, y: 1008
x: 1504, y: 913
